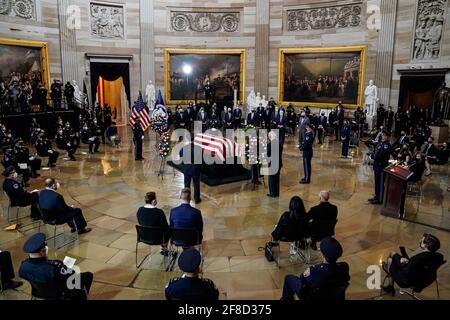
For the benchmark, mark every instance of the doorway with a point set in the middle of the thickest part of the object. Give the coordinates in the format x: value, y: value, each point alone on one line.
x: 110, y: 84
x: 113, y: 93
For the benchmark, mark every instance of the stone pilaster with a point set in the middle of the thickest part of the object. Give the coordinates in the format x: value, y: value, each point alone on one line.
x: 262, y: 47
x: 147, y: 42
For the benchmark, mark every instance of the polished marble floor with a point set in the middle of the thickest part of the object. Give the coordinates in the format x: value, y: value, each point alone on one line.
x: 110, y: 186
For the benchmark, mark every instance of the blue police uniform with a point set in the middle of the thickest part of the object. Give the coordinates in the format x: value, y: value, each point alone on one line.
x: 345, y: 137
x: 324, y: 275
x: 307, y: 148
x: 381, y: 161
x: 42, y: 270
x: 191, y: 288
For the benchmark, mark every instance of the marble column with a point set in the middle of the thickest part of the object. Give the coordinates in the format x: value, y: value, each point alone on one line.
x: 68, y: 43
x: 147, y: 42
x: 385, y: 50
x: 262, y: 47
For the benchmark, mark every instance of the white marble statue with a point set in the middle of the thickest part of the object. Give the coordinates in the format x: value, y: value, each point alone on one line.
x: 251, y: 100
x: 77, y: 91
x: 264, y: 102
x: 150, y: 95
x: 371, y: 102
x: 258, y: 100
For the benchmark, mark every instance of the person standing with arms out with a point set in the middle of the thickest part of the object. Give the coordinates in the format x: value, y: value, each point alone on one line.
x: 138, y: 138
x: 345, y: 137
x: 307, y: 148
x: 381, y: 161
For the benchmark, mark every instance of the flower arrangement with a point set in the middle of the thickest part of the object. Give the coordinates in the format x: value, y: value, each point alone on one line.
x: 160, y: 126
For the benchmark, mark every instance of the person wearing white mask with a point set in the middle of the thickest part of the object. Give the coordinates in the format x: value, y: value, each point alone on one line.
x: 302, y: 124
x: 39, y: 269
x: 18, y: 195
x: 52, y: 202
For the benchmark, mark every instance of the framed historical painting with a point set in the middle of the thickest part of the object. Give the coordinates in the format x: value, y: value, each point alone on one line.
x: 321, y: 77
x: 195, y: 75
x: 24, y: 61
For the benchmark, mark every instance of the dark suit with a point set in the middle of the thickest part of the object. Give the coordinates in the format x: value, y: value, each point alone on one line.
x: 186, y: 216
x: 191, y: 167
x: 274, y: 179
x: 237, y: 115
x: 54, y: 202
x: 324, y: 211
x: 345, y: 137
x: 252, y: 119
x: 153, y: 217
x: 323, y: 122
x: 285, y: 220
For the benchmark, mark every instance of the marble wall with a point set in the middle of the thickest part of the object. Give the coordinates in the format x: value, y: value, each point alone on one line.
x: 259, y: 26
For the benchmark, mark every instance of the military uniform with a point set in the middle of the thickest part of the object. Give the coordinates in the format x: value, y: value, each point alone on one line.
x: 191, y: 287
x: 307, y: 148
x: 19, y: 196
x: 42, y: 270
x: 44, y: 148
x: 185, y: 288
x: 138, y: 137
x: 330, y: 274
x: 381, y: 161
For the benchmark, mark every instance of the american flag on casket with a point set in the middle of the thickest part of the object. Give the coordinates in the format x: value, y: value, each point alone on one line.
x: 219, y: 147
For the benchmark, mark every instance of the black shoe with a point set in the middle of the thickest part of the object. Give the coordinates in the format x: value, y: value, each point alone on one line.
x: 372, y: 199
x: 73, y: 159
x: 376, y: 201
x: 270, y: 196
x: 85, y: 230
x: 53, y: 165
x: 198, y: 201
x: 11, y: 285
x: 389, y: 289
x: 305, y: 182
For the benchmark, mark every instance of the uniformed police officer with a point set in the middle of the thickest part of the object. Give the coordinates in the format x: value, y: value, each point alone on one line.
x: 63, y: 142
x: 307, y: 148
x: 138, y: 137
x: 189, y: 286
x: 328, y: 274
x: 88, y: 137
x: 39, y: 269
x: 381, y: 161
x: 18, y: 195
x: 44, y: 148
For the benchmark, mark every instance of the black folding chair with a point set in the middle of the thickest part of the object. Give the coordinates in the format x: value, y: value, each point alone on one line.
x: 151, y: 236
x: 184, y: 238
x: 321, y: 229
x: 49, y: 218
x: 332, y: 293
x: 295, y: 234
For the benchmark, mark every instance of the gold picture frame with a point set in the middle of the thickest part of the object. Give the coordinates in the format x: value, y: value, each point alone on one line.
x: 362, y: 50
x: 43, y: 56
x: 167, y: 67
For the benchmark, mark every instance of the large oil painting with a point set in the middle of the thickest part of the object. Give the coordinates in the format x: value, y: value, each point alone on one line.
x: 22, y: 62
x: 193, y: 74
x: 322, y: 77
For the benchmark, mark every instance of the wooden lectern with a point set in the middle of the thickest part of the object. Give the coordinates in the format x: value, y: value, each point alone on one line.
x: 395, y: 187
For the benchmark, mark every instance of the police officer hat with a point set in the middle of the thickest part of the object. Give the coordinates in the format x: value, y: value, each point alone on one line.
x: 8, y: 171
x: 189, y: 260
x: 331, y: 249
x: 35, y: 243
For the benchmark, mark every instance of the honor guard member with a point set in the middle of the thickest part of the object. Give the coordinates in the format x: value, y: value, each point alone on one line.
x: 381, y: 161
x: 328, y: 274
x: 189, y: 286
x: 87, y: 137
x: 138, y: 138
x: 40, y: 270
x: 237, y: 115
x: 18, y: 195
x: 345, y: 137
x: 307, y: 148
x: 44, y: 148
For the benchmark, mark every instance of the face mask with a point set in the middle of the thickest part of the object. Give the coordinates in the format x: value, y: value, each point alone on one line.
x: 46, y: 250
x: 58, y: 186
x: 15, y: 175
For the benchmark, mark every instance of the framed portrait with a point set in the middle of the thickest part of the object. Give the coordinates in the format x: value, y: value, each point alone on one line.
x: 191, y: 75
x: 321, y: 77
x: 24, y: 61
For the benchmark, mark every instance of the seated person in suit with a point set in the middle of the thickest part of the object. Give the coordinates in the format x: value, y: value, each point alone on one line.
x: 417, y: 167
x: 39, y: 269
x: 330, y: 273
x: 403, y: 270
x: 53, y: 202
x: 190, y: 286
x: 295, y: 216
x: 324, y: 211
x: 7, y: 272
x: 18, y: 195
x: 443, y: 154
x: 150, y: 216
x: 186, y: 216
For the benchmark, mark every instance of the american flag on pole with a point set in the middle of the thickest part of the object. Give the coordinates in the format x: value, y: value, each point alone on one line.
x: 217, y: 146
x: 140, y: 111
